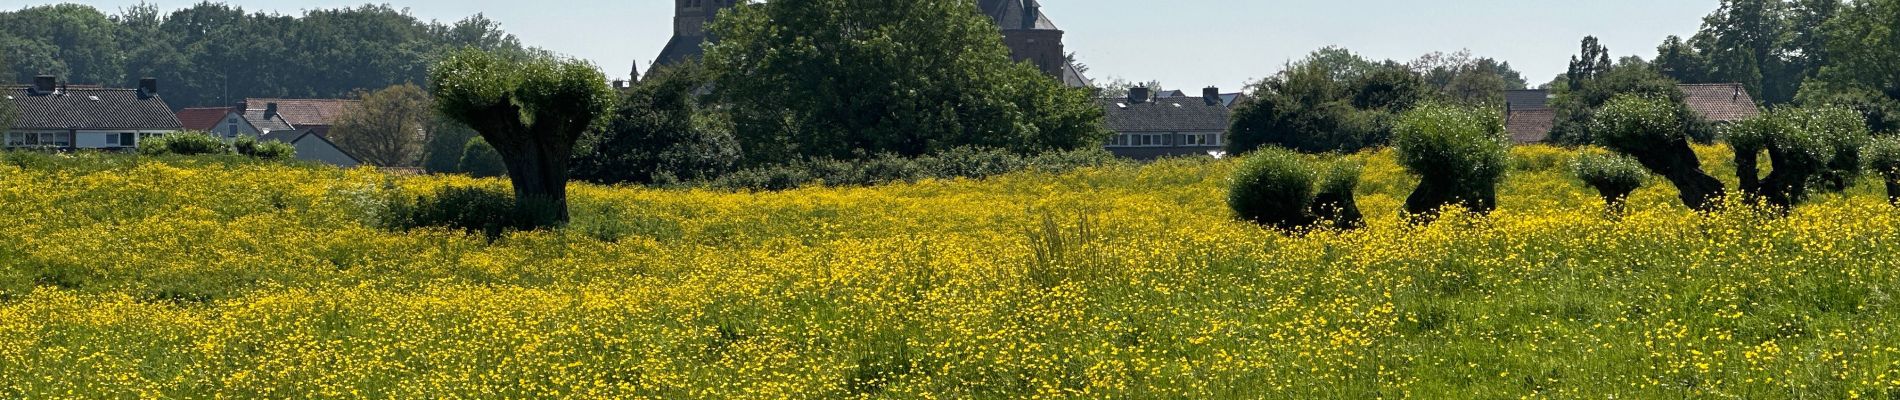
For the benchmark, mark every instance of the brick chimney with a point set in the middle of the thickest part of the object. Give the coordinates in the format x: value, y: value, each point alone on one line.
x: 1138, y: 95
x: 1212, y: 95
x: 270, y: 110
x: 45, y: 84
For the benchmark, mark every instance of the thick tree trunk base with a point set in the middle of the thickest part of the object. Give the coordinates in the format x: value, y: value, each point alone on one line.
x: 1430, y: 198
x: 1339, y: 209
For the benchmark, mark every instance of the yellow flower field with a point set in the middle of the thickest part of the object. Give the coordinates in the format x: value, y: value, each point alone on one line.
x: 127, y: 278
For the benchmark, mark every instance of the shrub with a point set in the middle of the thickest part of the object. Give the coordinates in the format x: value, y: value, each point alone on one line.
x: 1883, y: 158
x: 1842, y: 133
x: 1273, y: 188
x: 482, y: 161
x: 271, y: 150
x: 1279, y: 188
x: 1801, y: 156
x: 1614, y: 176
x: 1459, y: 153
x: 1651, y: 130
x: 471, y: 209
x: 184, y: 144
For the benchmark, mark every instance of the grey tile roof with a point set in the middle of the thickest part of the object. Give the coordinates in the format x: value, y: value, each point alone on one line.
x: 1174, y: 114
x: 1720, y: 102
x: 1531, y: 99
x: 264, y: 123
x: 89, y: 108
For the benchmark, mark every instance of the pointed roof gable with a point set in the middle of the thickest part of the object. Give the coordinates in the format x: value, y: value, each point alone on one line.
x: 1017, y: 14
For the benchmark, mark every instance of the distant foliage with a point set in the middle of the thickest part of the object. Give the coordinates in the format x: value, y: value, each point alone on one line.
x: 660, y: 133
x: 1331, y: 101
x: 184, y: 144
x: 1577, y: 106
x: 1614, y: 176
x: 481, y: 161
x: 214, y: 54
x: 1460, y: 154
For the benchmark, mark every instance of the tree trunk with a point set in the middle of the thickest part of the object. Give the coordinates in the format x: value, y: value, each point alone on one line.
x: 1340, y: 209
x: 1677, y: 163
x: 539, y: 173
x: 1748, y: 169
x: 1431, y: 196
x: 1893, y: 190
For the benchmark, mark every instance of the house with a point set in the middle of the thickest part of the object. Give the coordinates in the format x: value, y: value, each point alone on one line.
x: 1721, y: 103
x: 316, y: 114
x: 1029, y: 34
x: 1529, y: 119
x: 203, y: 119
x: 1148, y: 127
x: 51, y: 115
x: 313, y: 147
x: 270, y: 123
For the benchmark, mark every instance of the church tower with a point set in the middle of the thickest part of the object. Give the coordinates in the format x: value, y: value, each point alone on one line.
x: 690, y: 18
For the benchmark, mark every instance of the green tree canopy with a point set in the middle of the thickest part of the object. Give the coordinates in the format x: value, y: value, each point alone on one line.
x: 849, y: 78
x: 532, y: 110
x: 1326, y: 102
x: 660, y: 133
x: 1577, y: 105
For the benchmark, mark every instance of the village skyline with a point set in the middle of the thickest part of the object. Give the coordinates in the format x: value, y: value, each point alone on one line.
x: 1536, y: 37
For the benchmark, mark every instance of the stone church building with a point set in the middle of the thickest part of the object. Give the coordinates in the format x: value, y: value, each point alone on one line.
x: 1026, y: 30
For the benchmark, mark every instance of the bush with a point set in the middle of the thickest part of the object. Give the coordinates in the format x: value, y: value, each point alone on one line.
x: 1614, y: 176
x: 1273, y: 188
x: 1459, y: 153
x: 184, y: 144
x: 1883, y: 158
x: 471, y: 209
x: 482, y: 161
x: 272, y: 150
x: 1801, y: 156
x: 1279, y: 188
x: 1651, y: 130
x: 1842, y: 133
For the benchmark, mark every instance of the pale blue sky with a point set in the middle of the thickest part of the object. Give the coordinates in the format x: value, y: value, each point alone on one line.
x: 1183, y: 43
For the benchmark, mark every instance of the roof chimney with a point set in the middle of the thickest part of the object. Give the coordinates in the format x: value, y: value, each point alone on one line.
x: 148, y: 87
x: 1212, y: 95
x: 45, y: 84
x: 270, y: 110
x: 1738, y: 93
x: 241, y: 107
x: 1138, y: 95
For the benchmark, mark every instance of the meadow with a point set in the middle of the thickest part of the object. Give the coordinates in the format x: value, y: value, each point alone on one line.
x: 124, y: 277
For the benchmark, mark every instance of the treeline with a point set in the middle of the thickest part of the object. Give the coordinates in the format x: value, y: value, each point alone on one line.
x: 1335, y: 100
x: 214, y: 54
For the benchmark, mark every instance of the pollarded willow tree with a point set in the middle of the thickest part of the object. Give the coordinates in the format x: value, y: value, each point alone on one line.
x: 1883, y: 158
x: 1459, y: 153
x: 532, y: 109
x: 1651, y: 130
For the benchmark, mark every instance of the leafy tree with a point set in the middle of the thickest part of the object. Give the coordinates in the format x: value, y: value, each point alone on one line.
x: 1460, y: 155
x: 1576, y: 107
x: 390, y: 128
x: 1118, y: 87
x: 843, y: 79
x: 1883, y: 158
x: 1862, y: 50
x: 1594, y: 60
x: 660, y: 134
x: 1651, y: 129
x: 1461, y: 78
x: 532, y: 110
x: 443, y: 153
x: 1313, y: 107
x: 72, y: 41
x: 1677, y: 60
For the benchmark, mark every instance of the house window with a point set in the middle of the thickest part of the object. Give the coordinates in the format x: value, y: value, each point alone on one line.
x: 125, y: 139
x: 55, y: 140
x: 112, y: 139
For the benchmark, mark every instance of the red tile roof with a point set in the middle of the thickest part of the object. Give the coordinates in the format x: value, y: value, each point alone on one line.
x: 305, y: 113
x: 1530, y: 126
x: 1720, y: 102
x: 203, y: 118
